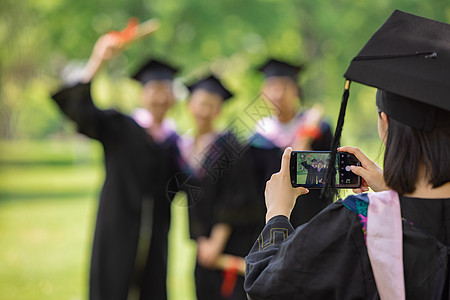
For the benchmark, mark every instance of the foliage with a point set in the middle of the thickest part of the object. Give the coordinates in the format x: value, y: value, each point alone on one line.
x: 229, y: 37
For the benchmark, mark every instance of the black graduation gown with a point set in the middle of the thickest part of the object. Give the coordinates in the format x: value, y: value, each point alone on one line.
x: 221, y: 201
x: 311, y: 177
x: 321, y: 175
x: 266, y: 160
x: 136, y: 171
x: 152, y: 282
x: 327, y: 258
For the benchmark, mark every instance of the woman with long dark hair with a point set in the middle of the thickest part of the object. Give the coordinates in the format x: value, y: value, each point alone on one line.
x: 394, y: 243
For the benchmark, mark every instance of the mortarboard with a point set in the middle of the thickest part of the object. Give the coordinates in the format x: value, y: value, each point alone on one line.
x: 408, y: 60
x: 275, y: 67
x: 155, y: 70
x: 211, y: 84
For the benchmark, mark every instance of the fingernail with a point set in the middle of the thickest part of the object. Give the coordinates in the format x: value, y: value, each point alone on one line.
x: 307, y: 191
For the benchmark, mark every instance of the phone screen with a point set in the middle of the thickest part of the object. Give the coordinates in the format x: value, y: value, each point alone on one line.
x: 309, y: 169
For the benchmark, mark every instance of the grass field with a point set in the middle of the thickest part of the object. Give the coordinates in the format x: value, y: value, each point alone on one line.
x: 48, y: 203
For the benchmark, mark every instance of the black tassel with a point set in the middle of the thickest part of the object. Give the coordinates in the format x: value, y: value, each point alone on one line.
x: 329, y: 189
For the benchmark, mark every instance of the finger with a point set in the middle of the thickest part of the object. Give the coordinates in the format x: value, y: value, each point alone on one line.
x: 109, y: 39
x: 360, y: 171
x: 285, y: 160
x: 357, y: 152
x: 364, y: 183
x: 301, y: 191
x: 363, y: 188
x: 360, y: 190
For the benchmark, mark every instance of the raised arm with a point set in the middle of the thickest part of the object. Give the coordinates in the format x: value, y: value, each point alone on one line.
x: 113, y: 43
x: 106, y: 47
x: 76, y: 101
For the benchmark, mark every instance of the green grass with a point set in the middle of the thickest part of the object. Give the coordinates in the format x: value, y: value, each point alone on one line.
x: 48, y: 205
x: 49, y: 181
x: 181, y: 260
x: 50, y: 152
x: 45, y: 248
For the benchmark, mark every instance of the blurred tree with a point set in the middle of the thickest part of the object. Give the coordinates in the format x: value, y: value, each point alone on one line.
x: 230, y: 37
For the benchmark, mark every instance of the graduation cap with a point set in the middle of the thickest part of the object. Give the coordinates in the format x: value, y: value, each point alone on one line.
x: 408, y: 60
x: 212, y: 85
x: 275, y: 67
x: 155, y: 70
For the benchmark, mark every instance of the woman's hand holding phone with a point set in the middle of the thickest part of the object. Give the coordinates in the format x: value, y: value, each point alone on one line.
x: 370, y: 172
x: 280, y: 195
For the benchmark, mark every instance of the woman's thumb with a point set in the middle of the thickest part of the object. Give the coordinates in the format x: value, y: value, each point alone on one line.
x: 301, y: 191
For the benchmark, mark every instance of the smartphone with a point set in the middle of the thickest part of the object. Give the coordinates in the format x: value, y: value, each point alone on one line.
x: 309, y: 168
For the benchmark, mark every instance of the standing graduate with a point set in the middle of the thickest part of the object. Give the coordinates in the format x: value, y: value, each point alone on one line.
x: 313, y: 171
x: 321, y: 171
x: 214, y: 220
x: 129, y: 251
x: 394, y: 243
x: 289, y: 127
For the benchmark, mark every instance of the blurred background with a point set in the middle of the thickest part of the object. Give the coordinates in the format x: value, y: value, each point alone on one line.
x: 50, y: 176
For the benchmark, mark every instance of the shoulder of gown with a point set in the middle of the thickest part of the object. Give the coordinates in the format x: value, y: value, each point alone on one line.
x: 76, y: 102
x: 323, y: 259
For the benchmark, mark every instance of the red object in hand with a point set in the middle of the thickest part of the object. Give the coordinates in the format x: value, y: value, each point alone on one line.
x: 312, y: 132
x: 229, y: 278
x: 128, y: 33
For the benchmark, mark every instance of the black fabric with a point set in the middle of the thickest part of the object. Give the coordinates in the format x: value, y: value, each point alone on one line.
x: 223, y: 199
x: 253, y: 169
x: 324, y: 259
x: 136, y: 169
x: 327, y: 258
x: 274, y: 67
x: 210, y: 283
x: 263, y: 161
x: 155, y: 70
x: 311, y: 177
x: 211, y: 84
x: 423, y: 76
x: 411, y: 112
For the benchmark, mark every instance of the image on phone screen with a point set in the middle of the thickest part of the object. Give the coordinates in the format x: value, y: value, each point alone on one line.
x: 309, y: 169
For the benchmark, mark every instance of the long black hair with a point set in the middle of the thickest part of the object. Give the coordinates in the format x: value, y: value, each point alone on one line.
x: 408, y: 149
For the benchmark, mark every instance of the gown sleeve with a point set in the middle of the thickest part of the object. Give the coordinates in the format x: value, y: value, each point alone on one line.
x: 76, y: 103
x: 305, y: 164
x: 323, y: 259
